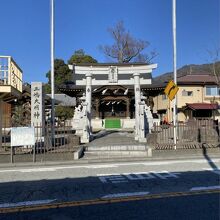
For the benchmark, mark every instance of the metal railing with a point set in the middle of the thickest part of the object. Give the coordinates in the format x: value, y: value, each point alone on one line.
x: 47, y: 147
x: 192, y: 134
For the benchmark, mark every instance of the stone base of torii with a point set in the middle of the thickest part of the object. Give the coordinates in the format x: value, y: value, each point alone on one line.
x: 84, y: 130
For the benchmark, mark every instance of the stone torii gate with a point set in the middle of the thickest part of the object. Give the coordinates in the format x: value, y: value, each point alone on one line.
x: 88, y: 75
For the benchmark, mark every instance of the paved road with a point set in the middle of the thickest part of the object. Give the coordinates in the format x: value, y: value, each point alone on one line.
x: 194, y: 207
x: 52, y: 184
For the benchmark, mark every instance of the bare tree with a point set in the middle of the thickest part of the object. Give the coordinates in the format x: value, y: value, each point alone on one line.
x: 126, y: 48
x: 215, y: 63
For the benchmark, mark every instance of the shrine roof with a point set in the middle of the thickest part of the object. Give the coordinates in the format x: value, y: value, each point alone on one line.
x: 105, y: 77
x: 74, y: 90
x: 111, y: 64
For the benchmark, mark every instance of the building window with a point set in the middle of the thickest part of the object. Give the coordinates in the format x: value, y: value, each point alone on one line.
x: 212, y: 91
x: 187, y: 93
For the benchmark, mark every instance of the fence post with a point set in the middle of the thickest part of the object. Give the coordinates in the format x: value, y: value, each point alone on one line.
x: 37, y: 125
x: 12, y: 154
x: 34, y: 153
x: 218, y: 127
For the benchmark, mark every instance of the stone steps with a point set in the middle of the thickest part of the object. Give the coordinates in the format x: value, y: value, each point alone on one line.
x: 113, y: 154
x: 110, y: 145
x: 117, y: 151
x: 117, y: 148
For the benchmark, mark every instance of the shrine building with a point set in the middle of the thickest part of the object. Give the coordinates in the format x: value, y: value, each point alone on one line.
x: 111, y: 90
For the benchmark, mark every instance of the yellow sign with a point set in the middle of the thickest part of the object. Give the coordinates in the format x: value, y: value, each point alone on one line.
x: 171, y: 90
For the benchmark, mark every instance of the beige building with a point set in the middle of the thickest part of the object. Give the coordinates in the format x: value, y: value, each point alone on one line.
x: 10, y: 87
x: 198, y: 96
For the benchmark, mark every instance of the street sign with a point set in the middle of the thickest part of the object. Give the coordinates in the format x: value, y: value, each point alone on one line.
x: 171, y: 90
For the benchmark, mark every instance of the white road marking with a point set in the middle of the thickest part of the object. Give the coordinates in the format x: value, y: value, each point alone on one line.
x: 37, y: 170
x: 100, y: 166
x: 139, y: 176
x: 165, y: 174
x: 125, y: 194
x: 209, y: 160
x: 116, y: 178
x: 26, y: 203
x: 204, y: 188
x: 7, y: 171
x: 53, y: 169
x: 109, y: 174
x: 126, y: 177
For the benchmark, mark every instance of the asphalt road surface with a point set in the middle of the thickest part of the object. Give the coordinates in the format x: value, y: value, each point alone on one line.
x: 144, y: 190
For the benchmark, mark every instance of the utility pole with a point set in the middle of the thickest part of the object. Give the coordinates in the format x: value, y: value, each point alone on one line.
x: 52, y: 67
x: 174, y: 71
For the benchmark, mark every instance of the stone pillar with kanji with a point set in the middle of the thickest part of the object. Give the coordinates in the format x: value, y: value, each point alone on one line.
x: 37, y: 108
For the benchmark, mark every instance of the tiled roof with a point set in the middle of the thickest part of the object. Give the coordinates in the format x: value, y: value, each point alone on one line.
x: 202, y: 106
x: 196, y: 78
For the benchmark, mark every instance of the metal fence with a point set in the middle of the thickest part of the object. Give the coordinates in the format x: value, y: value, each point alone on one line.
x: 50, y: 145
x: 192, y: 134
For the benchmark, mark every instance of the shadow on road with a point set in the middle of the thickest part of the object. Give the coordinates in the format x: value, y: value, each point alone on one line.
x: 86, y: 188
x: 209, y: 160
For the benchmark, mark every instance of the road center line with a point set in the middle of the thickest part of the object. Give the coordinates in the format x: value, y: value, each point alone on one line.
x: 103, y: 201
x: 26, y: 203
x: 116, y: 195
x: 198, y: 188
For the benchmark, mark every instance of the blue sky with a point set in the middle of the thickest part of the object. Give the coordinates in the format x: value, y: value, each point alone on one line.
x: 25, y: 30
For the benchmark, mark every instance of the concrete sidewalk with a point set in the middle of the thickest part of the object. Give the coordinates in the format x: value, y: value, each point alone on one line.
x: 157, y: 155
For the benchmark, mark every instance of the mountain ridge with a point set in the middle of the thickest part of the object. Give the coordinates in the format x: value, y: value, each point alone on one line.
x: 191, y: 69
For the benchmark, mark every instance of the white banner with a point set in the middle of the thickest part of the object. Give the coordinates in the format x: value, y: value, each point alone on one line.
x: 21, y: 136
